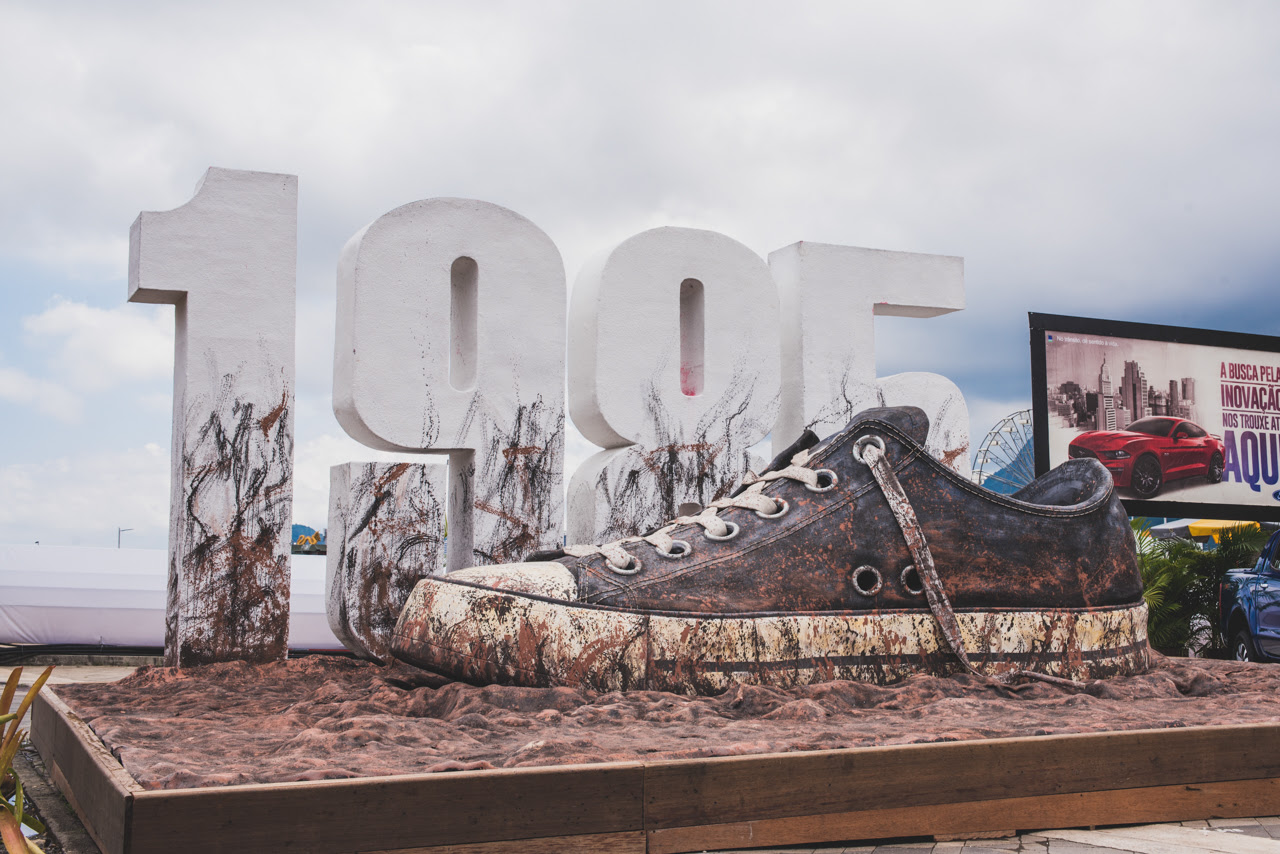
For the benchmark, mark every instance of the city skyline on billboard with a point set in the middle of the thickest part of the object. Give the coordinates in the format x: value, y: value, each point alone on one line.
x: 1187, y: 421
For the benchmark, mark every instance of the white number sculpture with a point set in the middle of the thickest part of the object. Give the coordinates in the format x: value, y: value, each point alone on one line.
x: 386, y: 533
x: 226, y: 261
x: 684, y: 348
x: 830, y: 296
x: 450, y: 337
x: 674, y: 369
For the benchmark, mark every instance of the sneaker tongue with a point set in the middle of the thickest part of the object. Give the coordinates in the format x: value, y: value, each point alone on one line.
x: 806, y: 441
x: 909, y: 420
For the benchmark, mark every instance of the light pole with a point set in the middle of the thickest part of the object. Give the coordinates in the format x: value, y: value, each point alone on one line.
x: 120, y: 531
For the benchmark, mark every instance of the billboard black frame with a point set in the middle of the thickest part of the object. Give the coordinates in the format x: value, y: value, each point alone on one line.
x: 1042, y: 323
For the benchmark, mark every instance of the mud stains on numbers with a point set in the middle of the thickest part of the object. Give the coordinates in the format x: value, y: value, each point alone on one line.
x: 226, y: 261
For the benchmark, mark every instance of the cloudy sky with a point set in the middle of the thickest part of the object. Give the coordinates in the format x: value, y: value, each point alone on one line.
x: 1117, y: 160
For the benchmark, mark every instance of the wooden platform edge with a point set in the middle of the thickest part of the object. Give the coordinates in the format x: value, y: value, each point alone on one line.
x: 727, y: 790
x: 91, y: 779
x: 746, y: 801
x: 397, y: 812
x: 1187, y: 802
x: 632, y: 842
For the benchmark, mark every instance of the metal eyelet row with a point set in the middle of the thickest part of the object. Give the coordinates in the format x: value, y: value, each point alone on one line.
x: 686, y: 549
x: 868, y: 581
x: 784, y: 507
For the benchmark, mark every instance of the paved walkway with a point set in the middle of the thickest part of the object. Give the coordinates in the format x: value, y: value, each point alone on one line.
x: 1216, y: 836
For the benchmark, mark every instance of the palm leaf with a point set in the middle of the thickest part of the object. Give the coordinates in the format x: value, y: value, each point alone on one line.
x: 23, y: 706
x: 10, y: 688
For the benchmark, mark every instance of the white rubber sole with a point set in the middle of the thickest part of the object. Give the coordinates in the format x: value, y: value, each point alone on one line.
x: 483, y: 635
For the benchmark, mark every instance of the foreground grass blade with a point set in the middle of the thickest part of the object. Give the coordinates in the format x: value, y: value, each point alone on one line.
x: 8, y: 751
x: 10, y: 688
x: 12, y: 817
x: 15, y: 841
x: 25, y: 704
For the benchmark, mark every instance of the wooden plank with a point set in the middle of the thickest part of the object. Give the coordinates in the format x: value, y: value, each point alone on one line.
x: 379, y: 813
x: 596, y: 843
x: 54, y: 810
x: 93, y: 782
x: 1235, y: 799
x: 746, y: 788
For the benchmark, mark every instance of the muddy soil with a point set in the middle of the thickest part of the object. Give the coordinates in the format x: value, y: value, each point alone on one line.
x: 323, y: 718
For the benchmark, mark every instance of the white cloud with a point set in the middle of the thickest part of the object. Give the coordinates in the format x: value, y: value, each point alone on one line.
x: 46, y: 397
x: 98, y: 348
x: 1084, y: 158
x: 81, y: 500
x: 1077, y: 133
x: 314, y: 343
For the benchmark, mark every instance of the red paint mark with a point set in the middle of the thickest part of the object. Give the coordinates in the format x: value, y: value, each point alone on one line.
x: 689, y: 381
x: 393, y: 474
x: 269, y: 420
x: 655, y: 459
x: 949, y: 457
x: 509, y: 454
x: 488, y: 508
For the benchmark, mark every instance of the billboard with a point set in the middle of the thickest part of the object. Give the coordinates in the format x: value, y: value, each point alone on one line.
x: 1186, y: 420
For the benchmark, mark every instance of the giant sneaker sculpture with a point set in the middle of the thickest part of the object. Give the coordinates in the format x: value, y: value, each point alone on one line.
x: 860, y: 557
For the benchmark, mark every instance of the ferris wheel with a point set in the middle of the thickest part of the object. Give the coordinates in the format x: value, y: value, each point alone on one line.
x: 1006, y: 460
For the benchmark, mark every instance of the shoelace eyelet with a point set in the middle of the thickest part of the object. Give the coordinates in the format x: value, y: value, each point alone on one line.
x: 911, y: 580
x: 734, y: 530
x: 777, y: 514
x: 832, y: 480
x: 685, y: 550
x: 630, y: 569
x: 867, y: 580
x: 863, y: 441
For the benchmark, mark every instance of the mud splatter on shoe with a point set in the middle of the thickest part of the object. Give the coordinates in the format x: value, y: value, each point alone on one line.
x: 859, y: 557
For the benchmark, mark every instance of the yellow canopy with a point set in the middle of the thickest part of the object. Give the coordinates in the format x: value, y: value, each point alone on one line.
x: 1211, y: 527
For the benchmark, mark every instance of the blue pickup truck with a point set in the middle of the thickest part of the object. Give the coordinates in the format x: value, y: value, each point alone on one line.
x: 1249, y: 607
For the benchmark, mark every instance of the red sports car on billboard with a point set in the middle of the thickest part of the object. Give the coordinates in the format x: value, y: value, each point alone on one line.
x: 1153, y: 451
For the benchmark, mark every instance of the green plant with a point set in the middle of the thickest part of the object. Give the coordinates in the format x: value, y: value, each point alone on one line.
x: 1180, y: 583
x: 12, y: 815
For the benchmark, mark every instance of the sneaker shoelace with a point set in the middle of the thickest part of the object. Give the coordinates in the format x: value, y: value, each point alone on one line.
x: 869, y: 450
x: 623, y: 562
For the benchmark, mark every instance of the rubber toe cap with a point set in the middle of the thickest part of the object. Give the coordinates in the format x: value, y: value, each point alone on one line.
x: 549, y: 579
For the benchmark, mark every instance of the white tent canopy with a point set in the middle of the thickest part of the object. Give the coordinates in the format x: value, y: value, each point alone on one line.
x: 1172, y: 528
x: 116, y: 597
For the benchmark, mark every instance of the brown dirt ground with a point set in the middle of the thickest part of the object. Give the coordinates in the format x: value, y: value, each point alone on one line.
x: 324, y: 718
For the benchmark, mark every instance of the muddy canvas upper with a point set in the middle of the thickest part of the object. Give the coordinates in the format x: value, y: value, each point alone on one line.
x: 816, y: 533
x: 863, y: 553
